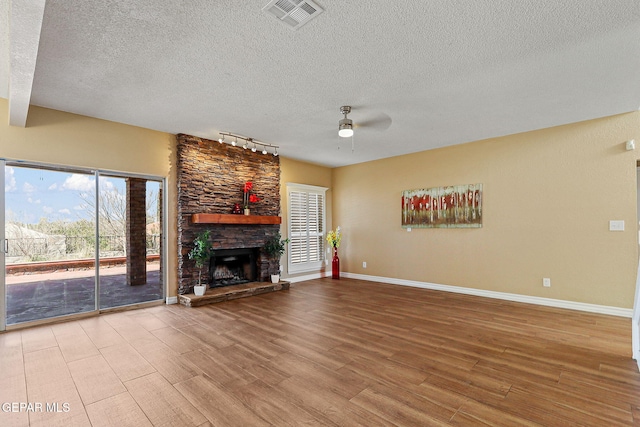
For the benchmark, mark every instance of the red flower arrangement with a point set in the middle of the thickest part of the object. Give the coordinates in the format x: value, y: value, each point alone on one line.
x: 249, y: 197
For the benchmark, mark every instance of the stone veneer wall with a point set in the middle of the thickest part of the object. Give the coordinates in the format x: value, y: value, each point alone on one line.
x: 211, y: 178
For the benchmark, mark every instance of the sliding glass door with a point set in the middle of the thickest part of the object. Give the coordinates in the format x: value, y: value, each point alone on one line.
x: 77, y: 241
x: 49, y: 243
x: 129, y: 234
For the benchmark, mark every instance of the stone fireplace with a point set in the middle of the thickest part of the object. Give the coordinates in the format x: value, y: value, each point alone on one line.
x: 211, y: 177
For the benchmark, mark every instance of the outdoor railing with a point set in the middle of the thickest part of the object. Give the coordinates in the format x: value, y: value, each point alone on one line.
x: 69, y: 265
x: 65, y: 247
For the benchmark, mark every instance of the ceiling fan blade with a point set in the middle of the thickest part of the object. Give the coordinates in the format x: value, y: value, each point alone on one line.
x: 379, y: 122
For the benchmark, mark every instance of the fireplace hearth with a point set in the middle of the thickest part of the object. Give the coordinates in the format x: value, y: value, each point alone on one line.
x: 233, y: 267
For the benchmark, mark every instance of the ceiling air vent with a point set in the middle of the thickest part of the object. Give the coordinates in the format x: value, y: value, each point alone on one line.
x: 293, y: 13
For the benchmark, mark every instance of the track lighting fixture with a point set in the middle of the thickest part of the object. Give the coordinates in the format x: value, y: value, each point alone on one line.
x: 249, y: 143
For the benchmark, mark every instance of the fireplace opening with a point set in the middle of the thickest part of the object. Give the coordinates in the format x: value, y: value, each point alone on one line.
x: 232, y: 267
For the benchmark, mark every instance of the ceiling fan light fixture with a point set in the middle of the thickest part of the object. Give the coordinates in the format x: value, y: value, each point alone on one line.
x: 345, y: 126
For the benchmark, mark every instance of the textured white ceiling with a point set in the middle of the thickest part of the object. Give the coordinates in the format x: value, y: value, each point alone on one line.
x: 444, y: 72
x: 4, y: 49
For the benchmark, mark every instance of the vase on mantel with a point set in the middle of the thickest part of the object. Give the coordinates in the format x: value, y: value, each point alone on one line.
x: 335, y: 265
x: 247, y: 211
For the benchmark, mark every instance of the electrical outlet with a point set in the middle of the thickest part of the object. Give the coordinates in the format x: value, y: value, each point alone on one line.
x: 364, y: 264
x: 616, y: 225
x: 546, y: 282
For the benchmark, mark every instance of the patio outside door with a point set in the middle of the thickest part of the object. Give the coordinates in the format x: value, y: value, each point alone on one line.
x: 49, y: 242
x: 130, y: 227
x: 73, y: 242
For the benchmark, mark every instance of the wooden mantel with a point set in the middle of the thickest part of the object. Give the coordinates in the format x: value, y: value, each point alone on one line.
x: 204, y: 218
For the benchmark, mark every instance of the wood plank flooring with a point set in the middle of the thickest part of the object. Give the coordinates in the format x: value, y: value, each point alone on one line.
x: 327, y: 353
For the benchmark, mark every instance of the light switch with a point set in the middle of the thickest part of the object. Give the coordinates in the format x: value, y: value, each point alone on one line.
x: 617, y: 225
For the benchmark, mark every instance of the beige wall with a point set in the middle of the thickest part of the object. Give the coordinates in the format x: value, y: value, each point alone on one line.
x: 56, y: 137
x: 548, y: 198
x: 293, y: 171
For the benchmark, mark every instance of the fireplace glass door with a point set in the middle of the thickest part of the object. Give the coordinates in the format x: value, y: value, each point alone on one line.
x: 233, y: 267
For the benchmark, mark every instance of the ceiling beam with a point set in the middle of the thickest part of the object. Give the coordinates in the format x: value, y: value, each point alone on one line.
x: 24, y: 37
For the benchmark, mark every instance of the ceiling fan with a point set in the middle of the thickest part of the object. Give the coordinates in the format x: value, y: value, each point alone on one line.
x: 379, y: 121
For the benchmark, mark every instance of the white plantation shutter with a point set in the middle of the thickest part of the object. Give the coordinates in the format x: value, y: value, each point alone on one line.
x: 306, y: 226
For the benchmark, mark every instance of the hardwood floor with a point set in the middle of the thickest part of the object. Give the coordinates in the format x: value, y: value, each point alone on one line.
x: 327, y: 353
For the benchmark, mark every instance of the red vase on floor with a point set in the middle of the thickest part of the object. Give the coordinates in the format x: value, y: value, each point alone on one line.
x: 335, y: 265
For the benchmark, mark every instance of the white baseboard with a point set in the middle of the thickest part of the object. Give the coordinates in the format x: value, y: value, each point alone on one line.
x: 296, y: 279
x: 172, y: 300
x: 549, y: 302
x: 635, y: 336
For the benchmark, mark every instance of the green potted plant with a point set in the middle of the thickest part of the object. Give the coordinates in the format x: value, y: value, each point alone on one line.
x: 200, y: 253
x: 274, y: 247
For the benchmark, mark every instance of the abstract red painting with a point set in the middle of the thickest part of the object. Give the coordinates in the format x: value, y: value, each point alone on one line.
x: 456, y: 206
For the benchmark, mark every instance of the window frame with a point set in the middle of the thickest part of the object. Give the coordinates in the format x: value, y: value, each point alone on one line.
x: 307, y: 266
